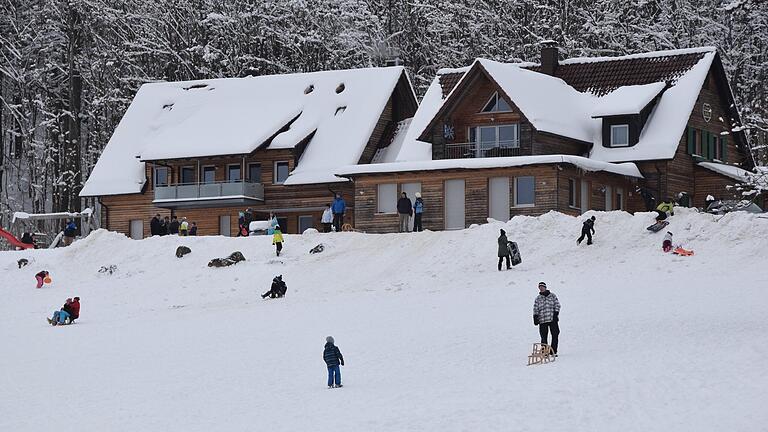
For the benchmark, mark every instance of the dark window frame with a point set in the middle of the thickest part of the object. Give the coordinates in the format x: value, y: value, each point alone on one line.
x: 277, y: 171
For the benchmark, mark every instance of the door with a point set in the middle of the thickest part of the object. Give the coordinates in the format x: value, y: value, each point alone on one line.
x: 411, y: 189
x: 454, y: 204
x: 584, y: 196
x: 608, y: 198
x: 305, y: 223
x: 498, y: 198
x: 224, y: 227
x: 137, y: 229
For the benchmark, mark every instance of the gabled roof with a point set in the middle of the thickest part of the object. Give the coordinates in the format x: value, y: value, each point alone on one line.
x: 627, y: 100
x: 235, y: 116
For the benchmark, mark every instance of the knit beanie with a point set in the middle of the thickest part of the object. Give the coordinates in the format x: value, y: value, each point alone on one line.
x: 330, y: 340
x: 542, y: 285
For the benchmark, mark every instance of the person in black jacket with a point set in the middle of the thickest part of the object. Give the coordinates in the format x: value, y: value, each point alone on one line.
x: 587, y: 230
x: 164, y: 226
x: 333, y: 358
x: 154, y: 225
x: 404, y: 210
x: 173, y: 227
x: 278, y: 289
x: 503, y: 249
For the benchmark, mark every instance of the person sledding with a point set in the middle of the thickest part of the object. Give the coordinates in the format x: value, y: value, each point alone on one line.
x: 665, y: 209
x: 333, y: 360
x: 666, y: 246
x: 277, y: 240
x: 61, y: 316
x: 42, y: 277
x: 278, y: 288
x: 74, y: 310
x: 503, y: 251
x: 587, y: 229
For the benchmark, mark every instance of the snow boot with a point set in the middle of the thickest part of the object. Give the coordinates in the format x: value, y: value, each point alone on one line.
x: 50, y: 321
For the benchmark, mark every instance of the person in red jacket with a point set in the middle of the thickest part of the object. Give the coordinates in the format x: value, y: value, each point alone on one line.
x: 74, y: 310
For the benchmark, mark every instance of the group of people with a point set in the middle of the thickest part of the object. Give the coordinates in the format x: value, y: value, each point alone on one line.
x: 407, y: 209
x: 67, y: 314
x: 333, y: 215
x: 171, y: 226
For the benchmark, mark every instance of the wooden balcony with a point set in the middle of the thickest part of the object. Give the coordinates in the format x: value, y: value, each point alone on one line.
x: 214, y: 194
x: 482, y: 150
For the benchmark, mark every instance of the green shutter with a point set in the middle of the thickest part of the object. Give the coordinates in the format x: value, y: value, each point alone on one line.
x: 712, y: 144
x: 704, y: 141
x: 691, y: 140
x: 723, y: 148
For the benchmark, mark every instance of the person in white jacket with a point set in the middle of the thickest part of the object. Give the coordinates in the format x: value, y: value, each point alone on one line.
x: 327, y: 218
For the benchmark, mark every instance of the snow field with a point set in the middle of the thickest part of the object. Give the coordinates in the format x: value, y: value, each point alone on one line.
x: 434, y: 337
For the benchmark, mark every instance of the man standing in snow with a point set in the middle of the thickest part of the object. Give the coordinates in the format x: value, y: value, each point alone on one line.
x: 546, y: 311
x: 418, y: 212
x: 404, y: 211
x: 154, y: 225
x: 173, y: 227
x: 164, y: 225
x: 587, y: 230
x: 333, y: 358
x: 503, y: 249
x: 338, y: 208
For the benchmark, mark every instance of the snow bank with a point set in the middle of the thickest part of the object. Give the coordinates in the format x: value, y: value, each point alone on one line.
x: 736, y: 173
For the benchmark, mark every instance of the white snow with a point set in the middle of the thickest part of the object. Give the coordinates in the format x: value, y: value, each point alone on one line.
x: 233, y: 116
x: 434, y: 337
x: 88, y: 212
x: 736, y: 173
x: 627, y: 169
x: 627, y: 100
x: 649, y: 54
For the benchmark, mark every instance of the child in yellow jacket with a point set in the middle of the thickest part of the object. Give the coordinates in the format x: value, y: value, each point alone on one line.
x: 277, y: 239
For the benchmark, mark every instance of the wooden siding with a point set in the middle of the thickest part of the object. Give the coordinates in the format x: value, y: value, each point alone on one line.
x: 545, y: 143
x: 598, y: 182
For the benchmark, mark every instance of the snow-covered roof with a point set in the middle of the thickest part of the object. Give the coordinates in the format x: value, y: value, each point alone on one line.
x: 644, y: 55
x: 759, y: 179
x: 234, y: 116
x: 626, y: 169
x: 627, y: 100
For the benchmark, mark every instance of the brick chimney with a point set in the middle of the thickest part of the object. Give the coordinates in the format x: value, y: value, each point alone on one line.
x: 549, y: 57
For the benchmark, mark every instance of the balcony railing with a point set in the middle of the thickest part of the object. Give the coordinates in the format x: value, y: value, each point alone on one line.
x: 214, y: 190
x: 481, y: 150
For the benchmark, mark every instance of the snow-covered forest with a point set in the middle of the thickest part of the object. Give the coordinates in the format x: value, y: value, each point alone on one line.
x: 69, y: 68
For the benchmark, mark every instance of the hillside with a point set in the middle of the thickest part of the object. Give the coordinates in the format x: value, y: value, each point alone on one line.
x: 435, y: 338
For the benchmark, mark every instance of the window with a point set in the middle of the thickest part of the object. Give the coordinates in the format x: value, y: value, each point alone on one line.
x: 525, y: 191
x: 488, y: 137
x: 209, y: 174
x: 281, y: 172
x: 161, y: 176
x: 497, y: 104
x: 718, y: 148
x: 387, y: 198
x: 620, y: 135
x: 254, y: 172
x: 233, y: 173
x: 188, y: 175
x: 573, y: 193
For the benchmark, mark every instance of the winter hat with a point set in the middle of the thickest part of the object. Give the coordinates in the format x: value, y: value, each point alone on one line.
x: 593, y: 218
x: 502, y: 231
x: 542, y: 285
x: 330, y: 340
x: 418, y: 194
x: 669, y: 233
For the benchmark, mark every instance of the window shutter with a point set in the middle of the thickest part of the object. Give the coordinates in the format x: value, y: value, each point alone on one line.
x: 704, y: 145
x: 712, y: 144
x: 691, y: 140
x: 723, y: 147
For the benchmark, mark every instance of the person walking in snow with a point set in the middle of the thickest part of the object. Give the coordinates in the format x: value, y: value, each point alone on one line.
x: 69, y: 232
x: 546, y: 314
x: 327, y: 218
x: 404, y: 211
x: 503, y: 249
x: 339, y: 207
x: 278, y: 288
x: 184, y: 227
x: 666, y: 206
x: 666, y: 246
x: 173, y: 227
x: 154, y: 225
x: 418, y: 212
x: 277, y: 240
x: 333, y: 360
x: 587, y: 229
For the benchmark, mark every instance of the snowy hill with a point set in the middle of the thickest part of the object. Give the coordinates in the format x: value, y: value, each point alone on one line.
x: 434, y: 337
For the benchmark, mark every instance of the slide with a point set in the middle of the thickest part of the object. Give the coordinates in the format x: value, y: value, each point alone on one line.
x: 13, y: 240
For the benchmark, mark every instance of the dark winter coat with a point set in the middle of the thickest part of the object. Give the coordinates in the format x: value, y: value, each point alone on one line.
x: 503, y: 250
x: 155, y: 226
x: 404, y: 206
x: 589, y: 225
x: 332, y: 355
x: 74, y: 309
x: 27, y: 238
x: 70, y: 230
x: 279, y: 287
x: 173, y: 227
x: 418, y: 206
x: 164, y: 227
x: 546, y: 308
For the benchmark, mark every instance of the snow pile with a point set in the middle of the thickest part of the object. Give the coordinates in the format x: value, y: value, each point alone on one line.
x: 627, y: 100
x: 434, y: 337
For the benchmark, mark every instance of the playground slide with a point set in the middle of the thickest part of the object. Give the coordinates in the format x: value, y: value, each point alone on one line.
x: 13, y: 240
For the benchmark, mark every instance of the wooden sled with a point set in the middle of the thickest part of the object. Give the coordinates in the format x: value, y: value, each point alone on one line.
x: 541, y: 353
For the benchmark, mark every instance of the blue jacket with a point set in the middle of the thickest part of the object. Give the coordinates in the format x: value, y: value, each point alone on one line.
x: 332, y: 355
x: 338, y: 206
x: 418, y: 206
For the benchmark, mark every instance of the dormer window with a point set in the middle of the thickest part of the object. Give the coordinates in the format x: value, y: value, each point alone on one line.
x: 620, y: 135
x: 496, y: 104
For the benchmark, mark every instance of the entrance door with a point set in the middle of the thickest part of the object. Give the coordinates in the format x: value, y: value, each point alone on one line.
x: 411, y: 189
x: 454, y: 204
x: 137, y: 229
x: 498, y: 198
x: 608, y: 198
x: 584, y: 196
x: 305, y: 223
x: 224, y: 227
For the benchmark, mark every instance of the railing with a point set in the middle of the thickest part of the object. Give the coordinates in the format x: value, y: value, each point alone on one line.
x: 190, y: 191
x: 480, y: 150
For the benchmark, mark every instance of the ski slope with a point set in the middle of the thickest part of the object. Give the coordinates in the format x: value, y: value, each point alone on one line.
x: 434, y: 337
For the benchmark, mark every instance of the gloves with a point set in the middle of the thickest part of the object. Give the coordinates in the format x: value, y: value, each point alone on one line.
x: 342, y: 363
x: 556, y: 316
x: 535, y: 320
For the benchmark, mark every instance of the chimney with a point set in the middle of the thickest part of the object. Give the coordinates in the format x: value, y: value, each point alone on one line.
x: 549, y: 57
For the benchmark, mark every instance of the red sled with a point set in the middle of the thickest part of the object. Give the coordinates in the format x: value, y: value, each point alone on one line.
x: 682, y: 252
